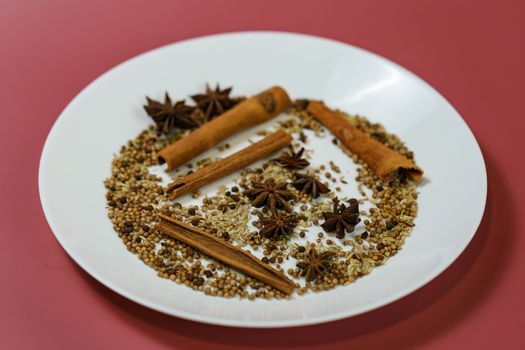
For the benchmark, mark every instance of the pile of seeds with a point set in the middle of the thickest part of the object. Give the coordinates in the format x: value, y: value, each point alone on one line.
x: 316, y: 259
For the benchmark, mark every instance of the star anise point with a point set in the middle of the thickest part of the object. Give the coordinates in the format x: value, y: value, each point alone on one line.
x: 270, y: 194
x: 292, y: 160
x: 316, y: 264
x: 168, y: 115
x: 342, y: 219
x: 278, y: 225
x: 214, y: 102
x: 310, y: 184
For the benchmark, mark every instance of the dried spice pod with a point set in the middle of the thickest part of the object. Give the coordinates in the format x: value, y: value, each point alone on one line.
x: 315, y: 264
x: 342, y: 219
x: 278, y: 225
x: 168, y: 115
x: 214, y: 102
x: 270, y: 194
x: 250, y: 112
x: 310, y: 184
x: 292, y: 160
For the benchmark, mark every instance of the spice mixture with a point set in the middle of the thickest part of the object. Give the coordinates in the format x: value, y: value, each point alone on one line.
x: 290, y: 214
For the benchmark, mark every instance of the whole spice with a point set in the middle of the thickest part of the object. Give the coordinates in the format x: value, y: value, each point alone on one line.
x: 315, y: 264
x: 310, y: 184
x: 228, y: 165
x: 270, y: 194
x: 342, y: 218
x: 168, y: 115
x: 214, y: 102
x: 278, y: 225
x: 225, y: 252
x: 384, y: 161
x: 292, y: 160
x: 250, y: 112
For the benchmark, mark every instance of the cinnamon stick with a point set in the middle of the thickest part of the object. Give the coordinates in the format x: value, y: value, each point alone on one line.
x: 223, y: 251
x: 384, y: 161
x: 228, y: 165
x: 250, y: 112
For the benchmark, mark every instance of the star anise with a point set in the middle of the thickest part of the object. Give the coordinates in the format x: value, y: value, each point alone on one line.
x: 270, y: 194
x: 310, y: 184
x: 315, y: 264
x: 214, y: 102
x: 168, y: 115
x: 278, y: 225
x: 342, y: 219
x: 292, y: 160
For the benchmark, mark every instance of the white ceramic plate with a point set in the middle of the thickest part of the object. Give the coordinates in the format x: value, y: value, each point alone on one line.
x: 78, y: 151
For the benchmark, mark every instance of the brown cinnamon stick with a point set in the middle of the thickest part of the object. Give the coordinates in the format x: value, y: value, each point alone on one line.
x: 221, y: 250
x: 250, y: 112
x: 384, y: 161
x: 228, y: 165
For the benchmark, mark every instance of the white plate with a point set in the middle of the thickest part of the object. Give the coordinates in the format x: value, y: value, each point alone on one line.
x: 78, y: 151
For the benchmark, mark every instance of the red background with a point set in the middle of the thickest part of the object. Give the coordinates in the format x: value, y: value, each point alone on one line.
x: 473, y: 52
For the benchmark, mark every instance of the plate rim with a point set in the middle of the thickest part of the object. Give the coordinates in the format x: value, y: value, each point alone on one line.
x: 252, y: 323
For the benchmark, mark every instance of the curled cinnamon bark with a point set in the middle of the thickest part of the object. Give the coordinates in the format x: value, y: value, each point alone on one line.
x: 250, y: 112
x: 228, y: 165
x: 223, y: 251
x: 384, y: 161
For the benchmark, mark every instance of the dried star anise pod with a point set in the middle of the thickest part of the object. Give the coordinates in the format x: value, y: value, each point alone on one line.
x: 310, y: 184
x: 315, y: 264
x: 278, y: 225
x: 343, y: 218
x: 214, y: 102
x: 270, y: 194
x: 292, y: 160
x: 168, y: 115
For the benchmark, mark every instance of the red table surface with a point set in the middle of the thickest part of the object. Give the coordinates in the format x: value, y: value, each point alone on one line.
x: 473, y: 52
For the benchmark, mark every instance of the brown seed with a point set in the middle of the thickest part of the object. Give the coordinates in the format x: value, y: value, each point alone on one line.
x: 390, y: 225
x: 189, y: 276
